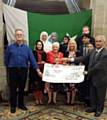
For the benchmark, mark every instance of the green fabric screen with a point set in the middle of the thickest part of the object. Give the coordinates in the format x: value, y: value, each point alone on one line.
x: 62, y: 24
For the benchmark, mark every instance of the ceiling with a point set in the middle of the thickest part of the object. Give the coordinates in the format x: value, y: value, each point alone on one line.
x: 50, y: 6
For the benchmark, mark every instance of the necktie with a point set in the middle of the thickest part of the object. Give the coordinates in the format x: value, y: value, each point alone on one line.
x: 96, y: 56
x: 94, y: 59
x: 84, y: 50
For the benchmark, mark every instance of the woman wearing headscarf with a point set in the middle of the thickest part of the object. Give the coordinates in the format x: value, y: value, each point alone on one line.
x: 53, y: 37
x: 46, y: 43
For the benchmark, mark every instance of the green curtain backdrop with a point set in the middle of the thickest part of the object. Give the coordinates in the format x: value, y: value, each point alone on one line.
x: 62, y: 24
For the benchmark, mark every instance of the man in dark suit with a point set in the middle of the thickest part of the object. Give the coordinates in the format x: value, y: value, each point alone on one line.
x: 97, y: 75
x: 82, y: 46
x: 84, y: 39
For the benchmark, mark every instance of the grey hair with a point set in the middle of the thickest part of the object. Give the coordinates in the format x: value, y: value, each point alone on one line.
x: 54, y: 33
x: 56, y: 44
x: 19, y: 29
x: 102, y: 37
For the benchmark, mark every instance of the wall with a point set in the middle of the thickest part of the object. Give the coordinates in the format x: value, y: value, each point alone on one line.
x: 2, y: 68
x: 99, y: 8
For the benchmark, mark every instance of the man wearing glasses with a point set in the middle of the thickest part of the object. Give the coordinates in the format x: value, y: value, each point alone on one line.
x: 17, y: 58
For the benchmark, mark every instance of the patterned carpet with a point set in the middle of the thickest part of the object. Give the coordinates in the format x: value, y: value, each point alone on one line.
x: 50, y: 112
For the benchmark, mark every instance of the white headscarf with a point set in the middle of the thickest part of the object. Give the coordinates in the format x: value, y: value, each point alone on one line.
x: 43, y: 33
x: 47, y: 44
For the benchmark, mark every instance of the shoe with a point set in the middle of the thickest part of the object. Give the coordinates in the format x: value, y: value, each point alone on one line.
x: 40, y: 102
x: 13, y: 110
x: 90, y: 110
x: 49, y: 102
x: 67, y: 103
x: 54, y: 103
x: 23, y: 107
x: 37, y: 102
x: 72, y: 104
x: 97, y: 114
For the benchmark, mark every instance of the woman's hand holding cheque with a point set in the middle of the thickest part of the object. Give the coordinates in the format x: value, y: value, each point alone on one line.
x: 39, y: 73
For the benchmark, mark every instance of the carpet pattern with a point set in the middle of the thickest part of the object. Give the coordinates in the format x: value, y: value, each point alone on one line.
x: 49, y: 112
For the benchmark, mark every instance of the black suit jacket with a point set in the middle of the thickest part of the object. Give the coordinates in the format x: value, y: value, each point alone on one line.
x: 97, y: 70
x: 80, y: 44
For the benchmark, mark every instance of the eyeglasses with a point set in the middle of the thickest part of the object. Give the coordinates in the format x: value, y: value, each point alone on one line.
x: 19, y: 34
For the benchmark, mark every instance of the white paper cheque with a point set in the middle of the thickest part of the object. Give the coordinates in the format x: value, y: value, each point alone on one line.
x: 63, y: 73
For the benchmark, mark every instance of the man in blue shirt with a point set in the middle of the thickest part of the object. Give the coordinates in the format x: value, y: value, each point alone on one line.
x: 17, y: 58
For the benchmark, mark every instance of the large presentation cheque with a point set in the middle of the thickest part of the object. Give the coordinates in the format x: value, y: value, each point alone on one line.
x: 63, y: 74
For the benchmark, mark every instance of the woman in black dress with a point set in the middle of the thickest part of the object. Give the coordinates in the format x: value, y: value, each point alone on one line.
x: 38, y: 84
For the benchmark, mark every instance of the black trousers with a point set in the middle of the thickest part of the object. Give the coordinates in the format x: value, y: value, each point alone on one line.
x: 17, y: 80
x: 97, y: 96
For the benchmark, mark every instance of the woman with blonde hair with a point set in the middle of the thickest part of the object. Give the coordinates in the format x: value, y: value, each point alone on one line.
x: 72, y: 45
x: 71, y: 87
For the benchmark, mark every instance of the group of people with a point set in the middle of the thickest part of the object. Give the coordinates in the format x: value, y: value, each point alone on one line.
x: 82, y: 51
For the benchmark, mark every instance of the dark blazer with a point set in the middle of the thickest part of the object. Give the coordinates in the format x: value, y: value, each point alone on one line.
x: 66, y: 54
x: 63, y: 48
x: 80, y: 43
x: 97, y: 69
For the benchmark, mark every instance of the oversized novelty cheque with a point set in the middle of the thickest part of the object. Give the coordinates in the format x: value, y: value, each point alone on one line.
x: 63, y: 73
